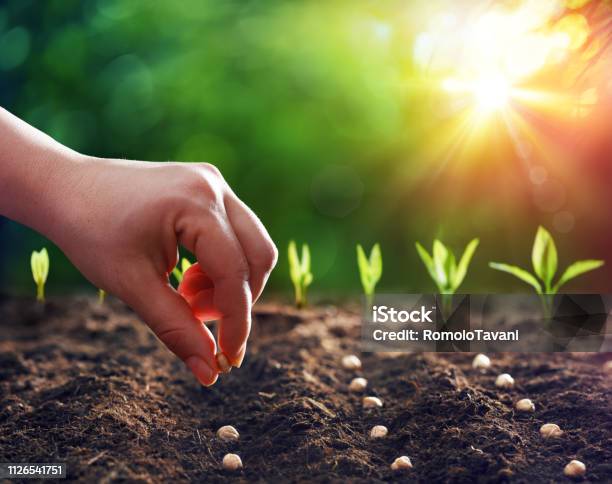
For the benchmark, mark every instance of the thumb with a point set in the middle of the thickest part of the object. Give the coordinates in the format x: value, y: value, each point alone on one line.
x: 172, y: 321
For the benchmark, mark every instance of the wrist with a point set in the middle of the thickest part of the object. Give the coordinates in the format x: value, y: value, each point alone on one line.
x: 38, y: 188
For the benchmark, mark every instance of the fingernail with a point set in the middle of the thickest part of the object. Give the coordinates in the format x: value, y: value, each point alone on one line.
x: 239, y: 358
x: 204, y: 373
x: 223, y: 363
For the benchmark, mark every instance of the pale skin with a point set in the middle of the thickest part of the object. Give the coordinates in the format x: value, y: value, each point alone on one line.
x: 120, y: 222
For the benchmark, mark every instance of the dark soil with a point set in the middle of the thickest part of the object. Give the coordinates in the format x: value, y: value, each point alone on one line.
x: 92, y: 387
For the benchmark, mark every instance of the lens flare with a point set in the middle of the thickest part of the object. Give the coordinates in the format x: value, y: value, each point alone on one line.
x: 492, y: 93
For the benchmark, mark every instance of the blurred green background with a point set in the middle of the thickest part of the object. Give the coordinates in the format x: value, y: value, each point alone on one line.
x: 318, y: 114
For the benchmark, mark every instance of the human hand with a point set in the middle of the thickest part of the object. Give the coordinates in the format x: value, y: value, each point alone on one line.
x: 121, y: 224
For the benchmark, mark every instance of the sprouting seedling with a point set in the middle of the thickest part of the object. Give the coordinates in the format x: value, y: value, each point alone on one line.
x: 178, y: 273
x: 544, y: 260
x: 370, y: 270
x: 299, y: 271
x: 39, y: 261
x: 443, y: 268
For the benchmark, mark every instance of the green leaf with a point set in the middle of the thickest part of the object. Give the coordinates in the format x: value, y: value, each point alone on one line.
x: 576, y: 269
x: 178, y: 275
x: 522, y: 274
x: 365, y: 272
x: 440, y: 256
x: 185, y: 265
x: 305, y: 259
x: 464, y: 263
x: 376, y: 264
x: 39, y: 263
x: 35, y: 266
x: 307, y: 279
x: 294, y: 264
x: 429, y: 263
x: 544, y: 257
x: 450, y: 268
x: 299, y: 271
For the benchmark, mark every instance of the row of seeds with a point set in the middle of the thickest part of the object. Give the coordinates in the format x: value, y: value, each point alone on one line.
x: 574, y: 468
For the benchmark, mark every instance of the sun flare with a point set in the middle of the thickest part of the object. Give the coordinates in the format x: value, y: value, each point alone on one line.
x: 510, y: 65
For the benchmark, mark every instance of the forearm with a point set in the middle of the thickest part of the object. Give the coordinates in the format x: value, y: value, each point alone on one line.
x: 34, y: 174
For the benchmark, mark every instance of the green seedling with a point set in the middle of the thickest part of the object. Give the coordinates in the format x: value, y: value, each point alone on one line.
x: 370, y: 270
x: 178, y: 273
x: 299, y: 271
x: 101, y: 296
x: 443, y: 269
x: 39, y: 262
x: 544, y: 260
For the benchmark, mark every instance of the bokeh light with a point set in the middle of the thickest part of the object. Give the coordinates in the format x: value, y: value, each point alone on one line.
x: 337, y: 122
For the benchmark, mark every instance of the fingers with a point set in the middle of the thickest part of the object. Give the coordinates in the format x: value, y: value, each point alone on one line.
x: 171, y: 319
x: 260, y: 251
x: 199, y: 291
x: 210, y: 236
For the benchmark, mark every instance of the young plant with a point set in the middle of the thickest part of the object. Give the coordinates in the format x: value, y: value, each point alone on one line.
x: 299, y: 271
x: 178, y: 273
x: 370, y: 270
x: 544, y: 260
x: 39, y: 262
x: 443, y: 269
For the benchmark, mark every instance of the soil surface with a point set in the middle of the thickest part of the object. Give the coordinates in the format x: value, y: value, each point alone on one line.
x: 91, y: 386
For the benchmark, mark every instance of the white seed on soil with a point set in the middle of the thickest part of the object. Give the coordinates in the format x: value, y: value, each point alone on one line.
x: 358, y: 384
x: 549, y: 431
x: 481, y: 361
x: 504, y: 381
x: 607, y: 367
x: 227, y: 433
x: 401, y: 463
x: 379, y: 431
x: 372, y: 402
x: 232, y: 462
x: 351, y: 362
x: 575, y: 469
x: 525, y: 405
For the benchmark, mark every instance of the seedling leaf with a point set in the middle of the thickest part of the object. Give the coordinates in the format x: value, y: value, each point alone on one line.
x: 294, y: 264
x: 576, y: 269
x: 544, y: 257
x: 299, y: 272
x: 305, y: 259
x: 464, y: 263
x: 364, y: 269
x: 522, y: 274
x: 429, y: 264
x: 179, y: 273
x: 376, y: 264
x: 370, y: 269
x: 39, y: 263
x: 440, y: 256
x: 443, y: 267
x: 307, y: 280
